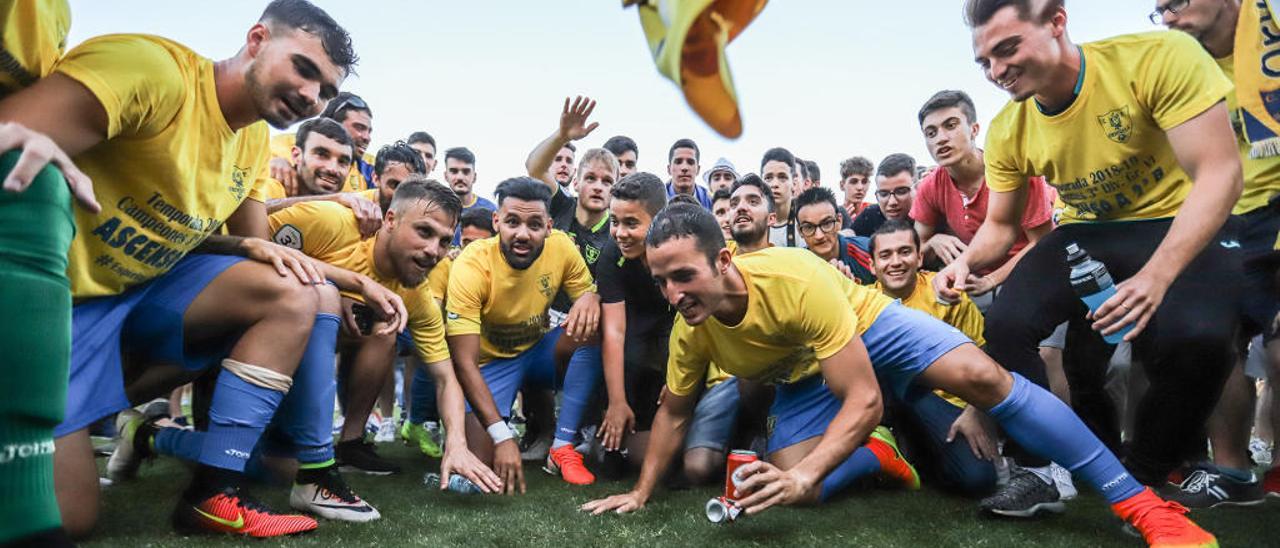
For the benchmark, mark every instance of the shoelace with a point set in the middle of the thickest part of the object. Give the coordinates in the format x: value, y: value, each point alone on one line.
x: 1155, y: 523
x: 1021, y: 484
x: 335, y: 485
x: 246, y: 501
x: 569, y: 457
x: 1198, y: 481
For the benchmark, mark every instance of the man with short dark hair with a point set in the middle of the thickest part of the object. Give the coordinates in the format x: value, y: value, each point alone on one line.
x: 751, y: 214
x: 815, y: 174
x: 500, y: 293
x: 425, y: 144
x: 778, y: 170
x: 625, y: 149
x: 720, y: 208
x: 460, y: 174
x: 356, y: 117
x: 683, y: 167
x: 770, y: 316
x: 895, y: 190
x: 818, y: 216
x: 1132, y: 128
x: 855, y: 177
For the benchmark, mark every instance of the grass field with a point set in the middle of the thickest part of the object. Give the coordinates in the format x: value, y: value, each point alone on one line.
x: 136, y: 514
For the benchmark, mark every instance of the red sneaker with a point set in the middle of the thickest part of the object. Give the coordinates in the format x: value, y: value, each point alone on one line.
x: 1163, y: 524
x: 566, y: 462
x: 233, y: 512
x: 892, y: 463
x: 1271, y: 483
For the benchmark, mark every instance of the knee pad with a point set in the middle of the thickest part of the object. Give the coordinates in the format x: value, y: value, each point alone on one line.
x: 258, y: 376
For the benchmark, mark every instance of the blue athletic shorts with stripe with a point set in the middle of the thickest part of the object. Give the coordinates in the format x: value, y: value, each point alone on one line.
x: 902, y: 343
x: 533, y: 367
x: 145, y: 321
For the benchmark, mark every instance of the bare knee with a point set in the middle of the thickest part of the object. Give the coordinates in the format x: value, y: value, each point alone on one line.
x: 76, y: 483
x: 702, y: 465
x: 328, y: 299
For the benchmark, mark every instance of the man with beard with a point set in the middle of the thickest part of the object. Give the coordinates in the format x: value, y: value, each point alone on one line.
x: 140, y: 290
x: 682, y: 166
x: 820, y: 227
x: 895, y: 189
x: 356, y: 118
x: 751, y: 213
x: 415, y: 235
x: 321, y: 159
x: 500, y: 293
x: 460, y: 174
x: 783, y: 316
x: 721, y: 176
x: 778, y: 170
x: 625, y: 150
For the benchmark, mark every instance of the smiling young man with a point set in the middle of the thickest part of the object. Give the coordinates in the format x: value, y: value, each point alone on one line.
x: 349, y: 110
x: 751, y: 214
x: 819, y: 219
x: 498, y: 303
x: 825, y: 355
x: 1134, y: 133
x: 895, y: 190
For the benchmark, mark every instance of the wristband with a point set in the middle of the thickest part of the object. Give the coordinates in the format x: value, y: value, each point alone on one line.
x: 500, y: 432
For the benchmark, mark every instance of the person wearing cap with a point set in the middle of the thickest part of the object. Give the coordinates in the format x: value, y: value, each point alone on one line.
x: 722, y: 175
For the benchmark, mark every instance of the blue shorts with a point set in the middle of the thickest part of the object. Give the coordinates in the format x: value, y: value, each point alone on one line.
x: 404, y: 343
x: 714, y: 417
x: 534, y: 367
x: 144, y: 322
x: 902, y: 343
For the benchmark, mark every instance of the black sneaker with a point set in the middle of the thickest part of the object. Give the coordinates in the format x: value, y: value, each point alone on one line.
x: 358, y: 456
x: 1024, y: 497
x: 1208, y: 488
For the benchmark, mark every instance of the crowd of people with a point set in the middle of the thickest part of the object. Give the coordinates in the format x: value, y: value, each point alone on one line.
x: 1089, y: 296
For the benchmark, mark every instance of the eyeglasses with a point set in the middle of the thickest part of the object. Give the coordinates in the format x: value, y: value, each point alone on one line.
x: 1157, y: 16
x: 900, y: 192
x: 827, y: 226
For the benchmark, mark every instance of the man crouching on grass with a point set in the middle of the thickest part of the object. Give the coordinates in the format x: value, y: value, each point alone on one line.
x: 823, y: 340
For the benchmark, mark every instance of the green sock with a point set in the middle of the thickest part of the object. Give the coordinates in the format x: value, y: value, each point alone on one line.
x: 36, y: 228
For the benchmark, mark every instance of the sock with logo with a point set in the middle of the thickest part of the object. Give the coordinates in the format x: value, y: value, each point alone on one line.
x: 1044, y: 425
x: 580, y: 382
x: 36, y: 228
x: 238, y: 414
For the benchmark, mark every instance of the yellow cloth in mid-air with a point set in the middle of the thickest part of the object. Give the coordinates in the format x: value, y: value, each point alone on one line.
x: 687, y: 39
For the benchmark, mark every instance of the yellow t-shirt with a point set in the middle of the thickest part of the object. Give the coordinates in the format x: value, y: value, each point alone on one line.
x: 171, y: 170
x: 327, y: 231
x: 1108, y: 154
x: 438, y: 279
x: 35, y: 35
x: 508, y: 307
x: 963, y: 315
x: 1261, y: 175
x: 282, y: 147
x: 800, y: 310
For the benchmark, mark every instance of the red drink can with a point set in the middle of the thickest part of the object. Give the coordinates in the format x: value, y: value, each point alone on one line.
x: 737, y: 458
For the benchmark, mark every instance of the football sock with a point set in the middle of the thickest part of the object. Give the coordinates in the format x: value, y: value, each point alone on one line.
x: 35, y: 332
x: 237, y: 416
x: 580, y: 382
x: 305, y: 417
x: 422, y: 400
x: 178, y: 442
x: 863, y: 462
x: 1043, y: 424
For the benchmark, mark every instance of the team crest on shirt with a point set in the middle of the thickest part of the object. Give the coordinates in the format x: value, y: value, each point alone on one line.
x: 238, y: 175
x: 288, y: 236
x: 592, y: 254
x: 544, y: 285
x: 1116, y: 124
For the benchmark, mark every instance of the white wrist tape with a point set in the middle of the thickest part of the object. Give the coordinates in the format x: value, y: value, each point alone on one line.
x: 500, y: 432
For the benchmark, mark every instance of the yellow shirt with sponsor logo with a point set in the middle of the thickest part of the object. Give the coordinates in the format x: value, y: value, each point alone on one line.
x: 171, y: 170
x: 1107, y: 153
x: 327, y: 231
x: 282, y: 147
x: 35, y: 35
x: 1261, y: 175
x: 508, y: 307
x: 800, y: 310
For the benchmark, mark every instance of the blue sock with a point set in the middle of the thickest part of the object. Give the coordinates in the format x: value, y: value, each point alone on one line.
x: 861, y: 463
x: 305, y: 417
x: 422, y: 401
x: 1044, y: 425
x: 237, y: 416
x: 178, y: 442
x: 580, y: 382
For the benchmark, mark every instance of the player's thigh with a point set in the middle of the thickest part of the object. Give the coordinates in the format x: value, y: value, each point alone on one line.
x: 789, y: 456
x: 970, y: 374
x: 243, y: 294
x: 75, y: 481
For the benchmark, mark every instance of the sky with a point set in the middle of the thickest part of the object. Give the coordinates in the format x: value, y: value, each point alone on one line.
x: 827, y: 79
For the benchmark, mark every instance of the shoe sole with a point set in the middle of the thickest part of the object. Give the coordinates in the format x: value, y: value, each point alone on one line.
x: 556, y: 472
x: 347, y: 469
x: 1234, y: 504
x: 335, y: 514
x: 1035, y: 509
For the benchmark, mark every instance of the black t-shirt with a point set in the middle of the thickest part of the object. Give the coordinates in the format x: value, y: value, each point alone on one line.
x: 868, y: 221
x: 591, y: 241
x: 649, y: 317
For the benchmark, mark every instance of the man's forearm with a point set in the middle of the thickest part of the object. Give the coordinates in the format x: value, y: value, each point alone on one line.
x: 990, y: 244
x: 451, y: 401
x: 612, y: 350
x: 221, y: 244
x: 999, y: 275
x: 472, y: 381
x: 665, y: 439
x: 851, y: 425
x: 277, y: 204
x: 539, y: 162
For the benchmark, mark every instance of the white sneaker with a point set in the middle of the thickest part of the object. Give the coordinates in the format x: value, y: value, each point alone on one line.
x: 1062, y: 480
x: 1260, y: 452
x: 386, y: 432
x: 331, y: 498
x: 125, y: 460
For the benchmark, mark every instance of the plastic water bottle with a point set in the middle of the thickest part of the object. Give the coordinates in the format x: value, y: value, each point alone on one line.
x: 457, y: 483
x: 1093, y: 284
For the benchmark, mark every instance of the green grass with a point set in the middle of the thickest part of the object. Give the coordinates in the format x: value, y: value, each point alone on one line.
x: 136, y: 514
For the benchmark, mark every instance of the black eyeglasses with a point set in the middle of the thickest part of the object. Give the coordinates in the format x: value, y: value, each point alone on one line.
x: 828, y: 226
x: 1157, y: 16
x: 900, y: 192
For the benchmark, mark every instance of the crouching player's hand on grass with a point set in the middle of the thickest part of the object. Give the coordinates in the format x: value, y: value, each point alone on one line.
x: 621, y: 504
x: 458, y: 459
x: 507, y: 463
x: 769, y: 485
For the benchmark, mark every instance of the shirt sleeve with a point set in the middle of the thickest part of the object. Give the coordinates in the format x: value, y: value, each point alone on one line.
x: 1180, y: 80
x: 138, y: 82
x: 999, y: 156
x: 1039, y: 208
x: 427, y: 327
x: 315, y: 228
x: 609, y: 275
x: 468, y: 289
x: 687, y: 360
x: 829, y: 324
x: 438, y: 280
x: 925, y: 208
x: 262, y: 189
